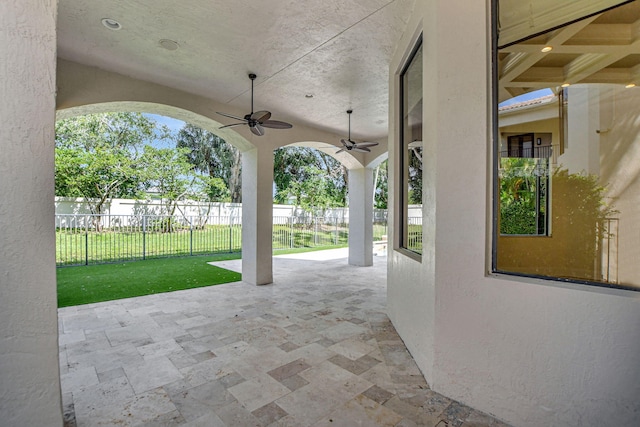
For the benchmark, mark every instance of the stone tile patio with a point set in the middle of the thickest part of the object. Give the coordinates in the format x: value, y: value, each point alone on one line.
x: 315, y: 348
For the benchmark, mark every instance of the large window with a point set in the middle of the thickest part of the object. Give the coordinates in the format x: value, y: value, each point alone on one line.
x: 567, y: 146
x: 410, y: 153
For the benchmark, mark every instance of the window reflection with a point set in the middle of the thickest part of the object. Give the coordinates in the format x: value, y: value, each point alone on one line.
x: 568, y: 159
x: 411, y: 153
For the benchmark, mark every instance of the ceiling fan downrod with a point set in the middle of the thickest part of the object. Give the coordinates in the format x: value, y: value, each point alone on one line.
x: 252, y: 77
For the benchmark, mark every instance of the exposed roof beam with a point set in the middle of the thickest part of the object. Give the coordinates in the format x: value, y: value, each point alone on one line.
x: 626, y: 49
x: 518, y: 62
x: 588, y: 64
x: 552, y: 77
x: 562, y: 35
x: 610, y: 75
x: 605, y: 34
x: 635, y: 74
x: 596, y: 45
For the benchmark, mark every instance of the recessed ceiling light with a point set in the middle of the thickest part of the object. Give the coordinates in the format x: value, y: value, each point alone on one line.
x: 546, y: 49
x: 630, y: 85
x: 169, y: 44
x: 566, y: 84
x: 309, y: 95
x: 111, y: 24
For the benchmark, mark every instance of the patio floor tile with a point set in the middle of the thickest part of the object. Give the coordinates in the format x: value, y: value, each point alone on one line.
x: 311, y: 349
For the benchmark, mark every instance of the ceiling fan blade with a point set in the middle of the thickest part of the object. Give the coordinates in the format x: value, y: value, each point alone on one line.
x: 340, y: 150
x: 362, y: 150
x: 276, y: 124
x: 257, y: 130
x: 261, y: 116
x: 231, y: 116
x: 232, y: 124
x: 366, y: 144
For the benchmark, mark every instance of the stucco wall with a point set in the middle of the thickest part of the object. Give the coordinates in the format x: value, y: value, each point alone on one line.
x: 619, y: 169
x: 530, y: 352
x: 410, y: 286
x: 73, y: 206
x: 29, y: 372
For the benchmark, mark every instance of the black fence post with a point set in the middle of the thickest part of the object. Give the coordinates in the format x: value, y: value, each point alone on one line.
x: 230, y: 234
x: 86, y: 242
x: 144, y: 237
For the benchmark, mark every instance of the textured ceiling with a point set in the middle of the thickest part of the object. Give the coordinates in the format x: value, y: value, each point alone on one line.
x: 337, y: 50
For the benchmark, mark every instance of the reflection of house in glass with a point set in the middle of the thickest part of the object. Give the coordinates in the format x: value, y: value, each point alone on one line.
x: 552, y: 185
x: 525, y: 157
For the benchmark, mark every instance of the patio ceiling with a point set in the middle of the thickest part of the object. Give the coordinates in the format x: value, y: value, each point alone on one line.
x: 338, y: 51
x: 601, y: 49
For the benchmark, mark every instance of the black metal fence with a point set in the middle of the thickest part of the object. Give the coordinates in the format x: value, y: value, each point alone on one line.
x: 95, y: 239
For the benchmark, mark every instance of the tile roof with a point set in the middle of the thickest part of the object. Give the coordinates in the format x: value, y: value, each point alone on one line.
x: 547, y: 99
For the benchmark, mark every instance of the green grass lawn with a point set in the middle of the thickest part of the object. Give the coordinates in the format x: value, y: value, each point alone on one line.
x: 106, y: 282
x: 87, y: 284
x: 78, y: 248
x: 91, y: 247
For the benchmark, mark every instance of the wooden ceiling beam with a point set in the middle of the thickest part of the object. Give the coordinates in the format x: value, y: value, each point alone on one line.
x: 598, y: 46
x: 588, y: 64
x: 518, y: 62
x: 627, y: 49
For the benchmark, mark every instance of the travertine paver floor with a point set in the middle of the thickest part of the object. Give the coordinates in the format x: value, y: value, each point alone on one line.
x: 315, y: 348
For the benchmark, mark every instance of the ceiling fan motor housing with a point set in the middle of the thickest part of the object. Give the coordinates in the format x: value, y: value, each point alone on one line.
x: 258, y: 120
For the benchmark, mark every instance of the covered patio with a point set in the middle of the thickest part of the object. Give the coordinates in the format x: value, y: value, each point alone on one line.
x: 314, y: 349
x: 301, y: 351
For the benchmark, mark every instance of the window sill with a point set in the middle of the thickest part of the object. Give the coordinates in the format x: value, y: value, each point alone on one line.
x: 410, y: 254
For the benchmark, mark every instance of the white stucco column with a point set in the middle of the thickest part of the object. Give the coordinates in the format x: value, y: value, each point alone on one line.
x: 29, y: 368
x: 361, y: 217
x: 257, y: 216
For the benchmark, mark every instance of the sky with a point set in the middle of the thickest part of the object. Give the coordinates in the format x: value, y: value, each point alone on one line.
x: 527, y: 96
x: 173, y: 124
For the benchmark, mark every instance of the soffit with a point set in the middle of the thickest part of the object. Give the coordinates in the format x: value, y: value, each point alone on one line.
x: 601, y: 49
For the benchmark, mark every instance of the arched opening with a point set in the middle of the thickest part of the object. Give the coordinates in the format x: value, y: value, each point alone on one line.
x: 175, y: 196
x: 129, y: 188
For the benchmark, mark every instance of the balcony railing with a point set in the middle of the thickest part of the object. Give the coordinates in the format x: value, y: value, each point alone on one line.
x: 542, y: 152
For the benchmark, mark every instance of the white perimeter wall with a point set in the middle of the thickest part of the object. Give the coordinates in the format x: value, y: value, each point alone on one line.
x: 77, y: 206
x: 29, y: 372
x: 531, y: 352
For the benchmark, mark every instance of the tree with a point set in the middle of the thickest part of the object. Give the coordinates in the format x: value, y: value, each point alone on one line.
x: 521, y: 191
x: 381, y: 184
x: 314, y: 191
x: 287, y: 167
x: 98, y: 156
x: 295, y: 165
x: 171, y: 174
x: 415, y: 176
x: 211, y: 155
x: 214, y: 189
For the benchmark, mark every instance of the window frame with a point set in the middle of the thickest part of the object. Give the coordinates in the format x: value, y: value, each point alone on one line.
x: 495, y: 161
x: 402, y: 187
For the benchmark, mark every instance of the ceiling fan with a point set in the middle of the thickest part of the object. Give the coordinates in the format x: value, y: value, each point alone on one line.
x: 349, y: 145
x: 257, y: 120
